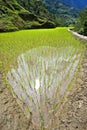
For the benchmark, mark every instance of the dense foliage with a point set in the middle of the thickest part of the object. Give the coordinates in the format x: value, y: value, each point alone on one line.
x: 64, y: 14
x: 36, y: 7
x: 15, y: 16
x: 30, y: 14
x: 81, y: 24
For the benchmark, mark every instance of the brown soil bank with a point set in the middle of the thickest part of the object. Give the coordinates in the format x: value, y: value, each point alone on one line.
x: 73, y: 115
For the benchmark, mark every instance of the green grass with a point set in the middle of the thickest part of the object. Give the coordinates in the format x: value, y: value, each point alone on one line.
x: 15, y: 43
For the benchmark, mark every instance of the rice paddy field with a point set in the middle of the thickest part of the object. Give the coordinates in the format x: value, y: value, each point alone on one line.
x: 39, y: 65
x: 15, y: 43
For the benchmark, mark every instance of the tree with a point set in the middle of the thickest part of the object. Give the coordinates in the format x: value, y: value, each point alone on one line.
x: 85, y: 27
x: 81, y: 24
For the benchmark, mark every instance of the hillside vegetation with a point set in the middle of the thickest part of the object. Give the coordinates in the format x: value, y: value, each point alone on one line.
x: 64, y: 13
x: 15, y: 17
x: 31, y: 14
x: 81, y: 24
x: 36, y: 14
x: 37, y: 7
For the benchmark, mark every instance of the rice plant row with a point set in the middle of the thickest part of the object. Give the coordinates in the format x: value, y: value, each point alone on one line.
x: 39, y: 65
x: 41, y: 79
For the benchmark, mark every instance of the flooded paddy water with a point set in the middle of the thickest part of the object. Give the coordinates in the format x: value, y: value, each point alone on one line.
x: 41, y: 79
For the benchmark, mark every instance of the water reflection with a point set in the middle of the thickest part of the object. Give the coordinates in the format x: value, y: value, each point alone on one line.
x: 41, y: 79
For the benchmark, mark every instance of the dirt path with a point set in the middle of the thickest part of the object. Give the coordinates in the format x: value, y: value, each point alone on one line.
x: 79, y: 36
x: 73, y: 116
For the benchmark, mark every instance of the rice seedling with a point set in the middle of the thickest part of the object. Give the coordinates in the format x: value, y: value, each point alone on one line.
x: 37, y: 76
x: 39, y: 65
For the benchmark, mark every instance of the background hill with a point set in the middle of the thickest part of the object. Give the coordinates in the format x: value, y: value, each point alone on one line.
x: 14, y: 16
x: 79, y: 4
x: 64, y: 13
x: 29, y: 14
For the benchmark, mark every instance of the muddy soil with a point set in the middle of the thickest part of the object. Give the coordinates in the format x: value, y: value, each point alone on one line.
x: 11, y: 116
x: 72, y: 116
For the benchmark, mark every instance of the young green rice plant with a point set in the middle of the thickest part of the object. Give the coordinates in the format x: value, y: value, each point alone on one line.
x: 39, y: 80
x: 39, y: 65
